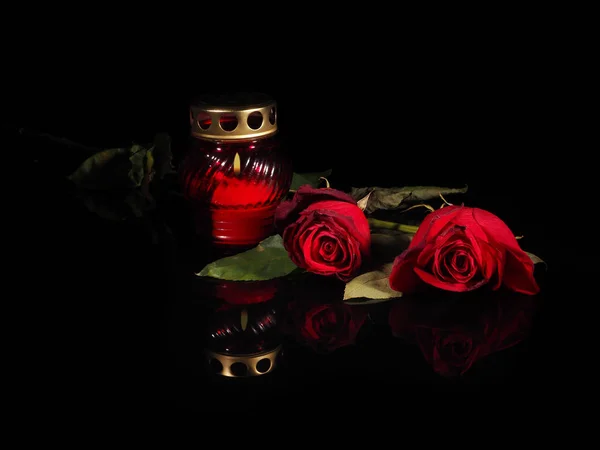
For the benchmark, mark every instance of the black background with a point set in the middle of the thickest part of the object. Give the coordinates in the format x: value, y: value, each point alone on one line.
x: 496, y: 114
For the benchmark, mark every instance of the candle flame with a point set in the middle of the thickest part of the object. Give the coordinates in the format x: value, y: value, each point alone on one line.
x: 236, y: 164
x: 244, y: 319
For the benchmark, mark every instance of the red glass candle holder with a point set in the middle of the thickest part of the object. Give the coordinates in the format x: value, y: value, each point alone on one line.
x: 235, y: 171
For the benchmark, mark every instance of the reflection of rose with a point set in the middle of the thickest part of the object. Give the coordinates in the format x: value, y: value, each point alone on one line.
x: 450, y: 352
x: 326, y: 326
x: 453, y: 336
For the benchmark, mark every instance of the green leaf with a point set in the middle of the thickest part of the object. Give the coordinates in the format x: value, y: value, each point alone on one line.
x: 108, y: 169
x: 139, y: 202
x: 161, y: 156
x: 138, y: 164
x: 312, y: 178
x: 371, y: 287
x: 121, y: 168
x: 266, y: 261
x: 399, y: 197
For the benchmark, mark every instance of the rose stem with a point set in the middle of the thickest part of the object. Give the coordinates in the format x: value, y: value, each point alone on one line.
x: 376, y: 223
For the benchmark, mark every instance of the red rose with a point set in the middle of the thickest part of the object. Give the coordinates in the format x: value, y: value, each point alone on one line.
x: 460, y: 249
x: 324, y: 232
x: 326, y: 326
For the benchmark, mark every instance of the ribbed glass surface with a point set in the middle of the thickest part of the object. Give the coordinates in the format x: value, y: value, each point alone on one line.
x: 208, y: 174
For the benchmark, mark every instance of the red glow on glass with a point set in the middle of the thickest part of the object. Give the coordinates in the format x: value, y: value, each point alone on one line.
x: 237, y: 204
x: 204, y: 120
x: 233, y: 191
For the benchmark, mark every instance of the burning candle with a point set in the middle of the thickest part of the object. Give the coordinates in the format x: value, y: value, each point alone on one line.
x: 235, y: 172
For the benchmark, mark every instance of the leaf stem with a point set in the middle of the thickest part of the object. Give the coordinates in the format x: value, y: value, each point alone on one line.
x: 376, y: 223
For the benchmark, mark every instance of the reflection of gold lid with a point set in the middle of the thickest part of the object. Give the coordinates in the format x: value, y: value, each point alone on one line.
x: 238, y: 366
x: 233, y: 116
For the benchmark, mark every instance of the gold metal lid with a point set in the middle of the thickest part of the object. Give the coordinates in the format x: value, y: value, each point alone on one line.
x: 233, y: 116
x: 238, y: 366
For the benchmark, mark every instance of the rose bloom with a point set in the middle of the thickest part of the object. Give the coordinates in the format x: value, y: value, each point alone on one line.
x: 324, y: 232
x: 460, y: 249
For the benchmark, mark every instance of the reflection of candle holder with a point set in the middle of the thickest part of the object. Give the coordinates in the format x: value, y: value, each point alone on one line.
x: 243, y: 340
x: 234, y: 172
x: 255, y: 364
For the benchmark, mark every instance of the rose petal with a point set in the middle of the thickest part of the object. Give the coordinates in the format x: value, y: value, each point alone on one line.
x: 300, y: 233
x: 351, y: 250
x: 348, y: 216
x: 324, y: 242
x: 403, y: 278
x: 496, y: 230
x: 452, y: 247
x: 466, y: 219
x: 315, y: 246
x: 311, y: 254
x: 328, y: 247
x: 432, y: 224
x: 430, y: 279
x: 306, y: 243
x: 438, y: 268
x: 448, y: 237
x: 475, y: 245
x: 354, y: 261
x: 426, y: 255
x: 461, y: 261
x: 339, y: 258
x: 288, y: 211
x: 290, y: 242
x: 455, y: 240
x: 518, y: 273
x: 469, y: 270
x: 493, y: 264
x: 348, y: 252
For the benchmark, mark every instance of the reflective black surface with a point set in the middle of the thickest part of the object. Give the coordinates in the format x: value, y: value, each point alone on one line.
x: 443, y: 342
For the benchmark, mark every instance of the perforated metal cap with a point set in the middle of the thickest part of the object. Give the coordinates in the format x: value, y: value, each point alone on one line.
x: 233, y: 116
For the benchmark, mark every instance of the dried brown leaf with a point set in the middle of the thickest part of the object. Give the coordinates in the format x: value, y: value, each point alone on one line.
x: 371, y: 287
x: 400, y: 197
